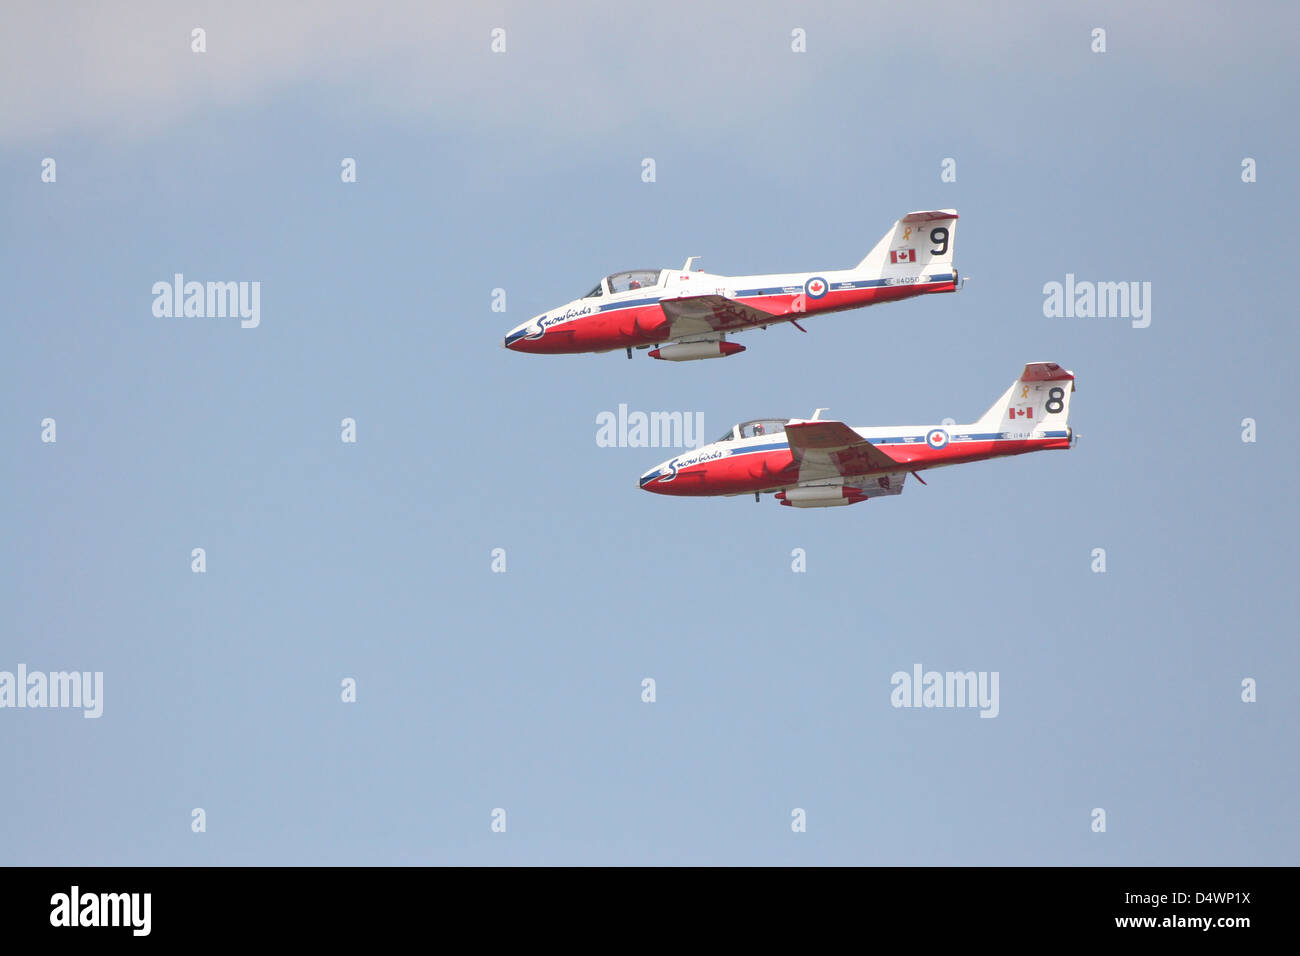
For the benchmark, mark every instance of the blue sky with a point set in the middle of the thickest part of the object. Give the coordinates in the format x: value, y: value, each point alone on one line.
x: 522, y: 690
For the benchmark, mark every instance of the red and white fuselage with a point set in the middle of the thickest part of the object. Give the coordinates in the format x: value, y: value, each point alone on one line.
x: 688, y: 315
x: 818, y: 464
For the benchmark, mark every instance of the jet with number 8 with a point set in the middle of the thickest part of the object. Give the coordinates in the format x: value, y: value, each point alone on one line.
x: 821, y: 464
x: 688, y: 315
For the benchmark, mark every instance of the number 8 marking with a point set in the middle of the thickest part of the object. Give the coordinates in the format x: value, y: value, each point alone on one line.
x: 1056, y: 397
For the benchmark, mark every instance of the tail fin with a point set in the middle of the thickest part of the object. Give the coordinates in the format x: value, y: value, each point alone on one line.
x: 918, y: 241
x: 1037, y: 401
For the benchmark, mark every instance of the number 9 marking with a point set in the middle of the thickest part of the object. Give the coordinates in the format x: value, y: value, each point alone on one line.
x: 939, y: 236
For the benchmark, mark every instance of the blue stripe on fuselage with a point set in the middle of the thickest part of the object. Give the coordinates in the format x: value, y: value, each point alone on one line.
x: 629, y: 304
x: 913, y: 440
x: 845, y: 286
x: 900, y: 440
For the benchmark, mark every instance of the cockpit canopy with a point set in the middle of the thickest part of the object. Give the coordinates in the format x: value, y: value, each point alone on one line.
x: 626, y: 282
x: 755, y: 428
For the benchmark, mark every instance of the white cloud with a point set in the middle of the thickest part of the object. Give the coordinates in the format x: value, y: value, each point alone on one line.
x: 573, y: 69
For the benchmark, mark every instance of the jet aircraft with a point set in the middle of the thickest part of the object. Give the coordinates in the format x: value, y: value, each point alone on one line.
x: 688, y: 315
x: 812, y: 463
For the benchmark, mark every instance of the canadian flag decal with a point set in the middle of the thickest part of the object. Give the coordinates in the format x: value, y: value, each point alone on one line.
x: 1026, y: 412
x: 902, y: 255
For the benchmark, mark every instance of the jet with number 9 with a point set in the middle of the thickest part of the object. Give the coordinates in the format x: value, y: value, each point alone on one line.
x: 685, y: 316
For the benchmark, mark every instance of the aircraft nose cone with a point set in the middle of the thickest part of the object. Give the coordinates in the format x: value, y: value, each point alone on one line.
x: 517, y: 339
x: 647, y: 481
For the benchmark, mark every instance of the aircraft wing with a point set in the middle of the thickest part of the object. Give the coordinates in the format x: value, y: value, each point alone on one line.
x: 701, y: 314
x: 827, y: 449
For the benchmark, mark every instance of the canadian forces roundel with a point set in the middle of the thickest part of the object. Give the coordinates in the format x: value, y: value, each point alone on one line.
x: 815, y: 287
x: 936, y: 438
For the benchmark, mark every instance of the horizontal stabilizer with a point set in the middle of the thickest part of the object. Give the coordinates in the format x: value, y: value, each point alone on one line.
x: 933, y: 215
x: 1045, y: 372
